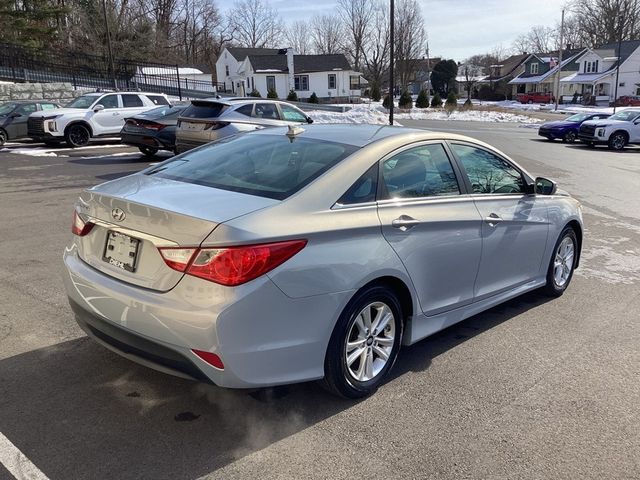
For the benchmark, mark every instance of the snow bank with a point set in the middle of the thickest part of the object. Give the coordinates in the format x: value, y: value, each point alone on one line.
x: 375, y: 114
x: 32, y: 152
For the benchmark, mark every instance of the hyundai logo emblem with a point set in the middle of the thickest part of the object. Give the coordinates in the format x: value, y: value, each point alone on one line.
x: 118, y: 215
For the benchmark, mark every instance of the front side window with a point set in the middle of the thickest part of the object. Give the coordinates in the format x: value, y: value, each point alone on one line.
x: 269, y: 166
x: 423, y: 171
x: 109, y: 101
x: 487, y: 172
x: 332, y: 81
x: 292, y: 114
x: 7, y: 108
x: 130, y: 101
x: 301, y: 82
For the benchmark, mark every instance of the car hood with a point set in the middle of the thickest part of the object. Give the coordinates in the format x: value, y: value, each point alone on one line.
x: 605, y: 121
x: 59, y: 111
x: 558, y: 124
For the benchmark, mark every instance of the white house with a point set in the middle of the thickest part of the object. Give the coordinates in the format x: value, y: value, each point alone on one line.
x: 328, y: 76
x: 596, y: 75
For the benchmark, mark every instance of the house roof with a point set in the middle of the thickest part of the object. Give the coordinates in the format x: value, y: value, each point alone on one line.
x: 627, y: 47
x: 507, y: 67
x: 585, y: 77
x: 240, y: 53
x: 301, y: 63
x: 569, y: 57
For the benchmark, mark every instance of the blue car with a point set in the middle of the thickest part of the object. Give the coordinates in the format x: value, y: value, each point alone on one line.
x: 567, y: 129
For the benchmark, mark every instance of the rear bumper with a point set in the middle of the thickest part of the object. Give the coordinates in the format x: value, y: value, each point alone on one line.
x: 263, y: 337
x: 144, y: 141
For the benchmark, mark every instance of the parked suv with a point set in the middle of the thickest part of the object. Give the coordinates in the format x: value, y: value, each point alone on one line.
x: 91, y: 115
x: 210, y: 119
x: 14, y: 115
x: 617, y: 131
x: 535, y: 97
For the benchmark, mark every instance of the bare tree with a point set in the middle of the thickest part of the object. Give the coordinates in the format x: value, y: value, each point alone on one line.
x: 256, y: 24
x: 297, y: 37
x: 470, y: 76
x: 603, y: 21
x: 376, y: 47
x: 410, y: 37
x: 539, y: 39
x: 356, y: 17
x: 326, y: 34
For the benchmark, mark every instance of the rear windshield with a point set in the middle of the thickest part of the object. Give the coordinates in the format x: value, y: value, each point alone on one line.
x: 162, y: 112
x: 269, y: 166
x: 204, y: 110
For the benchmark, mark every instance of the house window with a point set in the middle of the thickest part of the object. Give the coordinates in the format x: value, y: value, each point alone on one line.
x: 533, y: 68
x: 354, y: 82
x: 301, y: 82
x: 591, y: 67
x: 226, y: 69
x: 332, y: 81
x: 271, y: 82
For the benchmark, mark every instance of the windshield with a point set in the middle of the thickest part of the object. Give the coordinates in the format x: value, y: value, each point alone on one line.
x: 84, y: 101
x: 269, y: 166
x: 625, y: 115
x: 578, y: 117
x: 7, y: 108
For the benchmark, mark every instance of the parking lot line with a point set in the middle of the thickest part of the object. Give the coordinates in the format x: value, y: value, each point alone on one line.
x: 17, y: 463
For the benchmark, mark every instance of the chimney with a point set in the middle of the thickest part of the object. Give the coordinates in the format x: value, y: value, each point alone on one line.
x: 290, y: 53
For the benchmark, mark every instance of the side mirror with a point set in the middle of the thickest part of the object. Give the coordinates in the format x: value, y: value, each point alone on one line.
x: 309, y: 120
x: 544, y: 186
x: 98, y: 108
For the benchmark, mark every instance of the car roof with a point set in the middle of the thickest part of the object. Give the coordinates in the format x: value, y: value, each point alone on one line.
x: 98, y: 94
x: 360, y: 135
x: 235, y: 100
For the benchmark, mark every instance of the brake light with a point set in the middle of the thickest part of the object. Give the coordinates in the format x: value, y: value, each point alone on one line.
x: 231, y: 266
x: 153, y: 126
x: 79, y: 227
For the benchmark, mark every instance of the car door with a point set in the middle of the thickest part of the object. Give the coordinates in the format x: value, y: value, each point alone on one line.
x: 109, y: 120
x: 515, y: 223
x: 432, y: 224
x: 18, y: 126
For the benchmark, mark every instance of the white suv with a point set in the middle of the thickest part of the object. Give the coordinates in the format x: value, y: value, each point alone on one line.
x: 91, y: 115
x: 617, y: 131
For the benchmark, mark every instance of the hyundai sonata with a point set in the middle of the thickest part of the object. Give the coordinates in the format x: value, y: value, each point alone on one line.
x: 308, y: 253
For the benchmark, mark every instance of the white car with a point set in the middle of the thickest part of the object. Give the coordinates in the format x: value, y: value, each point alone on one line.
x: 91, y: 115
x: 617, y: 131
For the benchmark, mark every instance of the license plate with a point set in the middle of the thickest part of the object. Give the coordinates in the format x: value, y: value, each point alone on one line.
x: 194, y: 126
x: 121, y: 251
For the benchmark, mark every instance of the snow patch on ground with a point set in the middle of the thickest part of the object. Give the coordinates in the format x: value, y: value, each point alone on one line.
x: 375, y: 114
x: 32, y: 152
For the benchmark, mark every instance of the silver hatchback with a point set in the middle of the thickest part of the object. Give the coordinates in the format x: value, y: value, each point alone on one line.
x: 211, y: 119
x: 288, y: 255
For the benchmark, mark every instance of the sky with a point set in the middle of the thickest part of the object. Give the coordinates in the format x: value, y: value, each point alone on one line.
x: 456, y: 28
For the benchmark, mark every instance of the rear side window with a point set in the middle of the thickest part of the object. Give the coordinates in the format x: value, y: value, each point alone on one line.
x: 266, y: 110
x: 158, y: 99
x: 245, y: 110
x: 204, y: 110
x: 269, y: 166
x: 130, y: 100
x: 364, y: 190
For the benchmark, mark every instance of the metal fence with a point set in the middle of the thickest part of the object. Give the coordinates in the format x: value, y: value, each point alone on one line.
x: 23, y: 64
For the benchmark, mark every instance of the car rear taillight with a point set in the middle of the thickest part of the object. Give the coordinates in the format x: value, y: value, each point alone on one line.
x: 153, y: 126
x: 231, y: 266
x: 79, y: 226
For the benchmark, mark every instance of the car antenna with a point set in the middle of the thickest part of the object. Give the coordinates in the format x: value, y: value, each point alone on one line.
x: 294, y: 130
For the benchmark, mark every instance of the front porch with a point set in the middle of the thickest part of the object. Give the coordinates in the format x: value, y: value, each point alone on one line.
x: 587, y: 89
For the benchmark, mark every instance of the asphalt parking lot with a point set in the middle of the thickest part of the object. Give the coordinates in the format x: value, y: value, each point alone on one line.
x: 531, y: 389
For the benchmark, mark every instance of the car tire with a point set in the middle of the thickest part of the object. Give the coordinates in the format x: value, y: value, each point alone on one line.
x: 77, y: 136
x: 617, y: 141
x: 569, y: 137
x: 562, y: 263
x: 356, y: 339
x: 148, y: 151
x: 3, y: 137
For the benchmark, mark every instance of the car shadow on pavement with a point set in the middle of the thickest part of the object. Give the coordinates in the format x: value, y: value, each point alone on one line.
x: 76, y: 410
x: 107, y: 160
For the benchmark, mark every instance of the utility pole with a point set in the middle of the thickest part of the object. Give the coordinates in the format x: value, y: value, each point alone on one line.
x: 106, y: 25
x: 615, y: 95
x: 428, y: 75
x: 556, y: 88
x: 391, y: 40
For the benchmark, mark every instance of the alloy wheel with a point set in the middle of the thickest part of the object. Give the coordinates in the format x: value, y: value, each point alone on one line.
x: 563, y: 262
x: 370, y: 341
x: 570, y: 137
x: 618, y: 141
x: 79, y: 136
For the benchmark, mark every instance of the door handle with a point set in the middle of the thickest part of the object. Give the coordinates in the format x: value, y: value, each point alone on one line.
x: 493, y: 219
x: 404, y: 222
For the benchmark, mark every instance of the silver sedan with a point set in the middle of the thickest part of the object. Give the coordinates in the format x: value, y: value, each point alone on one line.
x: 311, y: 253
